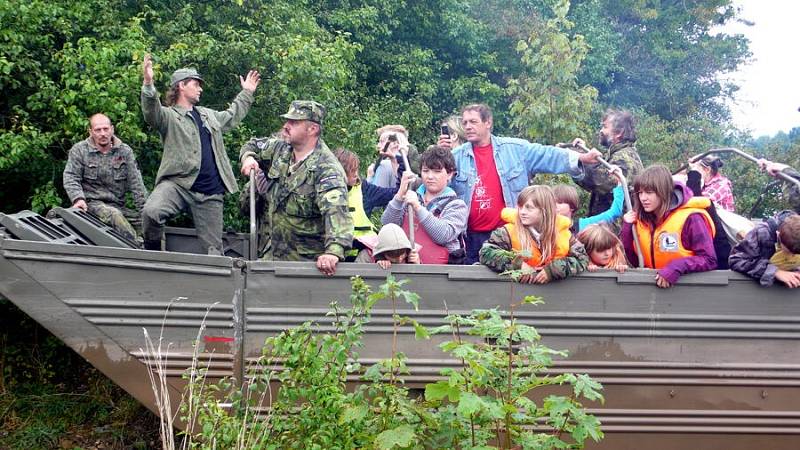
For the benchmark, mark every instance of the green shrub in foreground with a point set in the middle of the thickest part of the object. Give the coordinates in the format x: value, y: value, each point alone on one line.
x: 487, y: 402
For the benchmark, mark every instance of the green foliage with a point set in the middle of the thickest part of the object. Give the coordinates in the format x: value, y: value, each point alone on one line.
x: 313, y: 403
x: 548, y: 105
x: 662, y: 56
x: 756, y: 193
x: 402, y: 436
x: 672, y: 143
x: 44, y: 198
x: 491, y: 394
x: 487, y: 403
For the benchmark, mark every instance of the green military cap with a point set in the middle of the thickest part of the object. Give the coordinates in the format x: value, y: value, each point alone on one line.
x: 182, y: 74
x: 305, y: 110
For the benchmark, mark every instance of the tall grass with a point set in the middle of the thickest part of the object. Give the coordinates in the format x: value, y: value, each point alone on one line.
x: 156, y: 356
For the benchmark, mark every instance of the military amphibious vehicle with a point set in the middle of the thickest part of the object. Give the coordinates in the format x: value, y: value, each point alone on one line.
x: 713, y: 362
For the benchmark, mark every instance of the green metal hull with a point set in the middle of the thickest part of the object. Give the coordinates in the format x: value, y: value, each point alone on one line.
x: 713, y: 362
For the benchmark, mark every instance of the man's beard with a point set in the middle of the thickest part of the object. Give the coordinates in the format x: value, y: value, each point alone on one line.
x: 604, y: 141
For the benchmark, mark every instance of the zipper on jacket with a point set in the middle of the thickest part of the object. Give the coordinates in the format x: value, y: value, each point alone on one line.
x: 653, y: 248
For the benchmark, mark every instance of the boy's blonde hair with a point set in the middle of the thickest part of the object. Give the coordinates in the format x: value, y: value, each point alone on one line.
x: 392, y: 128
x: 598, y: 237
x: 542, y: 197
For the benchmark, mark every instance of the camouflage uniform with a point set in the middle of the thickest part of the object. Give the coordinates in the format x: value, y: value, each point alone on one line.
x: 601, y: 184
x: 496, y: 254
x: 102, y: 180
x: 790, y: 190
x: 180, y: 165
x: 307, y: 208
x: 262, y: 220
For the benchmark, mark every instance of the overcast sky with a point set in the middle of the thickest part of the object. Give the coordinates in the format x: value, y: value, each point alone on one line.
x: 769, y: 96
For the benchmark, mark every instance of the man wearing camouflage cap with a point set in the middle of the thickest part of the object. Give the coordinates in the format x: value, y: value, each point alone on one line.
x: 305, y: 189
x: 195, y: 171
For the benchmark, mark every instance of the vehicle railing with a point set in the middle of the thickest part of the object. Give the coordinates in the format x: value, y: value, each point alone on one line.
x: 735, y: 151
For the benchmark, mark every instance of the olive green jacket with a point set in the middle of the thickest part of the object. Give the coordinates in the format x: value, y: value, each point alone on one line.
x: 181, y: 160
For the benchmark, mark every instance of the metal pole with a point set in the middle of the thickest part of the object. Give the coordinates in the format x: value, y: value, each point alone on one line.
x: 253, y: 234
x: 744, y: 155
x: 410, y: 208
x: 626, y: 193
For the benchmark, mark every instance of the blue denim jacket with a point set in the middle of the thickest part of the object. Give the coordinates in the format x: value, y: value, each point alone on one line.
x: 517, y: 160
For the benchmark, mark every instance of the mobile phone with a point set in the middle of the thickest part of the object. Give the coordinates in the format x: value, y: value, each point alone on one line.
x: 382, y: 155
x: 391, y: 138
x: 445, y: 130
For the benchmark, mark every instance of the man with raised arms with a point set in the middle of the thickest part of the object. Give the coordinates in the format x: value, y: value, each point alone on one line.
x: 195, y: 171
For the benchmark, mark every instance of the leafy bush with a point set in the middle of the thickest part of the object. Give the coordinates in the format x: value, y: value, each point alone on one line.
x: 491, y: 401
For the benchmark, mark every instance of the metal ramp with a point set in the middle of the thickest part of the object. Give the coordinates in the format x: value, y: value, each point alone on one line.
x: 97, y: 232
x: 29, y: 226
x: 70, y: 226
x: 74, y: 226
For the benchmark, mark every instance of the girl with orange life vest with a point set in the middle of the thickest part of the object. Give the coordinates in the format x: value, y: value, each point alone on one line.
x: 674, y: 230
x: 440, y: 217
x: 535, y: 239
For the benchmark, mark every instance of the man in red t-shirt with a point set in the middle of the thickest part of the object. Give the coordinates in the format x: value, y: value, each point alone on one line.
x: 492, y: 170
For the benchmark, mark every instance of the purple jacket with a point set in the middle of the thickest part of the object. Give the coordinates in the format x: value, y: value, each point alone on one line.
x: 751, y: 255
x: 695, y: 236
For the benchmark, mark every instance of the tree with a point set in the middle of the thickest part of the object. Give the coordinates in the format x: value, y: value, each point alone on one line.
x: 663, y: 56
x: 548, y: 104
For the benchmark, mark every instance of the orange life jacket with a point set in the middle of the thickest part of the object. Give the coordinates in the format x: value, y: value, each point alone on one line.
x: 563, y: 236
x: 667, y: 236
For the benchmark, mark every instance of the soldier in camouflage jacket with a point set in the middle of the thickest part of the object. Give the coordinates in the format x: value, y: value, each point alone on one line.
x: 100, y: 171
x: 305, y: 189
